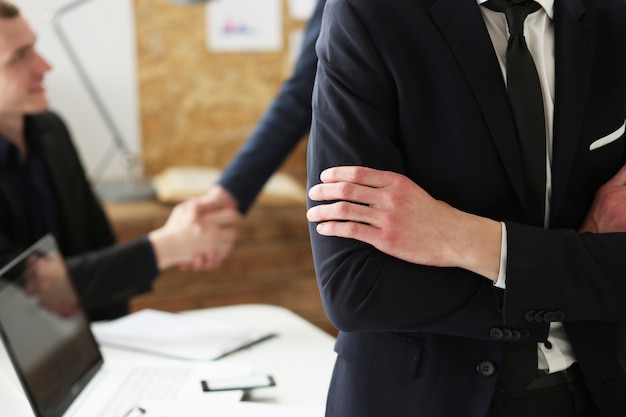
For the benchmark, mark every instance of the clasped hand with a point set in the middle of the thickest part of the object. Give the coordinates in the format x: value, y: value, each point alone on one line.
x: 199, y: 234
x: 47, y: 278
x: 398, y: 217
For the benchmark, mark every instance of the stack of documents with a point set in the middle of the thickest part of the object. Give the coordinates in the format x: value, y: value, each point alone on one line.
x: 175, y: 335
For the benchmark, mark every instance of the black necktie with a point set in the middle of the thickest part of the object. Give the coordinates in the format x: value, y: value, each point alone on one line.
x: 519, y: 364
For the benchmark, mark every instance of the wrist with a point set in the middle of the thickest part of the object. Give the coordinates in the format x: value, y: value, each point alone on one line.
x: 164, y: 248
x: 478, y: 248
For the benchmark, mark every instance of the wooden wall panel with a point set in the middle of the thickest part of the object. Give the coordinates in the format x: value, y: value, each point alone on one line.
x: 197, y: 106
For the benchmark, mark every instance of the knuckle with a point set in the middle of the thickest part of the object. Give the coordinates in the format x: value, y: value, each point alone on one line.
x: 342, y: 209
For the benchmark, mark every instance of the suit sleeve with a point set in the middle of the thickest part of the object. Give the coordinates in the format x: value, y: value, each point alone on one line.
x: 284, y: 124
x: 103, y: 272
x: 354, y: 114
x: 113, y: 273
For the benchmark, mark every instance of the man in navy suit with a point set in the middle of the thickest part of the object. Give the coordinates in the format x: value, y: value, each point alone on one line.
x: 427, y: 260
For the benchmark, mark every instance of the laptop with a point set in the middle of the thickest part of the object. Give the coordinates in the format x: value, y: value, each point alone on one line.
x: 61, y: 369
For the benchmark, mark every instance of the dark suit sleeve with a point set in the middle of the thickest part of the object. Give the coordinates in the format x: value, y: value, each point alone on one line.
x: 113, y: 273
x: 355, y: 122
x: 284, y: 124
x: 104, y: 273
x: 355, y: 110
x: 580, y: 276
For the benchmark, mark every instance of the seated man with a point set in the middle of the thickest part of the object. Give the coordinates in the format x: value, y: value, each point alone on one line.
x: 44, y: 189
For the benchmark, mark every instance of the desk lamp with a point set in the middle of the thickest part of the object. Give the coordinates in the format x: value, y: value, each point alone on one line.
x: 131, y: 188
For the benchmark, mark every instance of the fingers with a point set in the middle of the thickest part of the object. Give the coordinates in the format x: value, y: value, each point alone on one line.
x: 68, y: 310
x: 355, y: 183
x: 222, y: 217
x: 206, y: 261
x: 343, y: 211
x: 346, y: 191
x: 360, y: 194
x: 366, y: 176
x: 225, y: 217
x: 212, y: 257
x: 216, y: 198
x: 608, y: 210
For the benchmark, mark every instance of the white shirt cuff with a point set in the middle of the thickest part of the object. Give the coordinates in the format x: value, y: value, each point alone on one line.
x: 501, y: 282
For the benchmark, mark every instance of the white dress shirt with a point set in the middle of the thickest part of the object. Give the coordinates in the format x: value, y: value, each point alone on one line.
x: 556, y: 355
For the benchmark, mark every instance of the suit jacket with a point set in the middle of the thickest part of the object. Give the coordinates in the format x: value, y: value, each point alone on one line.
x: 105, y: 275
x: 414, y: 86
x: 283, y: 125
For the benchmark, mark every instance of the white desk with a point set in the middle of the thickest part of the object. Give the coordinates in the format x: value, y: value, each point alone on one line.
x: 300, y: 357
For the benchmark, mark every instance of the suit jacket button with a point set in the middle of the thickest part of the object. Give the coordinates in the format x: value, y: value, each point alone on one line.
x: 549, y: 316
x: 486, y: 369
x: 524, y: 334
x: 496, y: 333
x: 539, y: 315
x: 507, y: 334
x: 530, y: 315
x: 515, y: 335
x: 559, y: 315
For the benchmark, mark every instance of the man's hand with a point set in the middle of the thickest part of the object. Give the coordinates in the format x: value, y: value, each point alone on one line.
x: 399, y: 218
x: 47, y: 279
x: 608, y: 211
x: 215, y: 200
x: 188, y: 235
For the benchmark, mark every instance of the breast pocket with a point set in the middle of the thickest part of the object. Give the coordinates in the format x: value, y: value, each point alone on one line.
x: 610, y: 138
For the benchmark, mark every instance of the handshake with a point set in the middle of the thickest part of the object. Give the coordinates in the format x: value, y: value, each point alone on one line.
x: 198, y: 235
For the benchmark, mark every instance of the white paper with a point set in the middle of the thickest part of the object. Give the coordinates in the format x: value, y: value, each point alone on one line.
x: 242, y: 409
x: 175, y: 335
x: 244, y: 25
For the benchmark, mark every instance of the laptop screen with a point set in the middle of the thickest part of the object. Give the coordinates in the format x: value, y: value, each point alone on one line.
x: 53, y: 356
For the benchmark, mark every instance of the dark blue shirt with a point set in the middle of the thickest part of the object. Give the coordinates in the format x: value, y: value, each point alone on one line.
x: 30, y: 180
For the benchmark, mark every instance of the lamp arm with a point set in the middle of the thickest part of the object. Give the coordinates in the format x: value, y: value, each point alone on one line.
x: 82, y: 73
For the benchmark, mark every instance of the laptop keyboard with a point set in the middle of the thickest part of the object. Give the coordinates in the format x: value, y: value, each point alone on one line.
x: 146, y: 383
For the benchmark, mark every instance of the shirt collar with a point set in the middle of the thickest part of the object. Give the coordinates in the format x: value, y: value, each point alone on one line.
x: 547, y: 5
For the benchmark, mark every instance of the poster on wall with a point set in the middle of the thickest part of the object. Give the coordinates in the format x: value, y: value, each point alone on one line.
x: 244, y: 25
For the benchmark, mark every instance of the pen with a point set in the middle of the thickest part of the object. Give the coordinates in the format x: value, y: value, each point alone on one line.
x: 248, y: 345
x: 135, y: 412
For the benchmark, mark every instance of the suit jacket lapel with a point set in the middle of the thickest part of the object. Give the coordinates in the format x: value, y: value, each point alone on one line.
x: 463, y: 27
x: 55, y: 161
x: 573, y: 63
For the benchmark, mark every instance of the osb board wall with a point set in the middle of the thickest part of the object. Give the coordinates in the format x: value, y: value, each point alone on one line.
x: 198, y: 107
